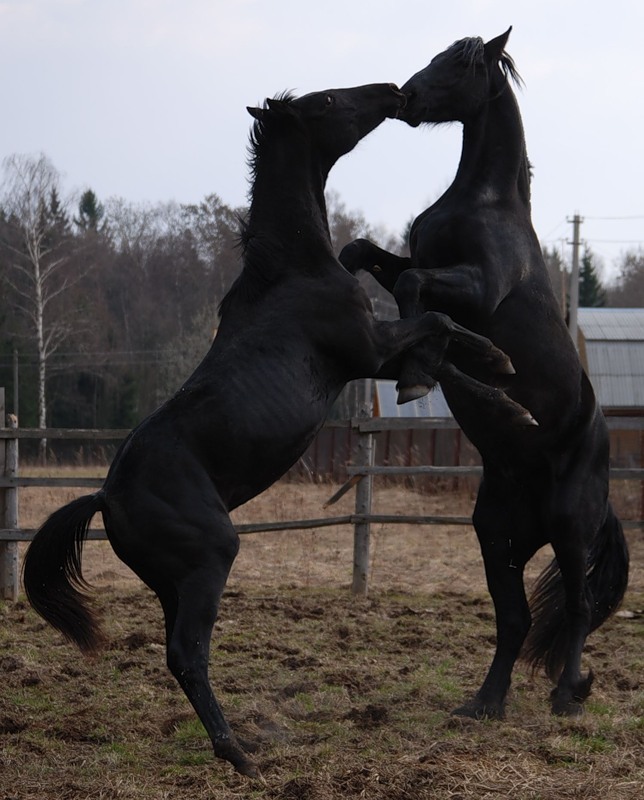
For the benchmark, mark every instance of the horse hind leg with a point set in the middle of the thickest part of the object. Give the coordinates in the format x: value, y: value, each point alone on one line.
x: 562, y: 610
x: 190, y: 588
x: 188, y: 646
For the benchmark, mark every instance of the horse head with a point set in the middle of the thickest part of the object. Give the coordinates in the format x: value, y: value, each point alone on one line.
x: 334, y: 120
x: 458, y: 81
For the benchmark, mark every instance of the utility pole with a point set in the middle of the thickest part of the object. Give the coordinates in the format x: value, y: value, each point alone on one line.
x: 574, y: 278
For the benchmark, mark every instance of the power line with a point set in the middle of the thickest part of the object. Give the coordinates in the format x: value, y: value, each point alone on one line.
x: 634, y: 216
x: 613, y: 241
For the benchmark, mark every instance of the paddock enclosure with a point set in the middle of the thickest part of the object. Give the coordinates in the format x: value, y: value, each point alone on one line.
x: 344, y: 695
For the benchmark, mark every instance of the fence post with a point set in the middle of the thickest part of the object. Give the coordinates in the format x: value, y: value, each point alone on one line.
x: 362, y: 530
x: 9, y: 574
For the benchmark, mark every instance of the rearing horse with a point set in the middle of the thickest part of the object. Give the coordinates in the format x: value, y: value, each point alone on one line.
x: 295, y: 327
x: 475, y: 256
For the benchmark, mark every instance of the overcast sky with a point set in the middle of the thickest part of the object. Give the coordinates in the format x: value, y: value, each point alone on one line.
x: 146, y: 99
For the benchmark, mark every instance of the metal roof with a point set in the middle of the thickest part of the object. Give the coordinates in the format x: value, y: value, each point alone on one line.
x: 614, y: 348
x: 612, y: 324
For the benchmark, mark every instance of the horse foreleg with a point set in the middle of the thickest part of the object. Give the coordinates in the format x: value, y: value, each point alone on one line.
x: 481, y: 399
x: 418, y: 290
x: 462, y: 286
x: 361, y: 254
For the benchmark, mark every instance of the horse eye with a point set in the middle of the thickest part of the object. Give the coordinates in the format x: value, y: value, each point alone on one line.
x: 329, y: 100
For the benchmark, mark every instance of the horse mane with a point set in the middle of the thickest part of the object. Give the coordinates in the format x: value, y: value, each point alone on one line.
x: 509, y: 69
x: 257, y: 251
x: 260, y: 132
x: 510, y: 72
x: 469, y: 50
x: 472, y: 52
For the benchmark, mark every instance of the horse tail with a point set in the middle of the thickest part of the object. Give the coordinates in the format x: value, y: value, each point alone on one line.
x: 607, y: 577
x: 52, y: 574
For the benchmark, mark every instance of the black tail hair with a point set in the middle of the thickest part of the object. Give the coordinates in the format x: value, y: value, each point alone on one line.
x: 607, y: 575
x: 52, y: 573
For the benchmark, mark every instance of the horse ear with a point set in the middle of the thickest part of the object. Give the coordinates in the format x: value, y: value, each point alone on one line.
x: 272, y: 109
x: 257, y: 113
x: 495, y: 47
x: 279, y: 106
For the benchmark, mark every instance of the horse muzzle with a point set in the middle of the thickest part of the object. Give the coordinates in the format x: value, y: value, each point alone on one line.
x: 402, y: 97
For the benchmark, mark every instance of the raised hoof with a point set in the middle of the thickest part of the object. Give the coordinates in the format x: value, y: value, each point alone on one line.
x: 502, y: 364
x: 524, y: 417
x: 474, y: 709
x: 512, y: 411
x: 409, y: 393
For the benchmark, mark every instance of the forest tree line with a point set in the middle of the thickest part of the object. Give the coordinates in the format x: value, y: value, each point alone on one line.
x: 109, y: 305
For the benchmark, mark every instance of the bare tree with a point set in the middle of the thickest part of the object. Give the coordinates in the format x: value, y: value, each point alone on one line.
x: 214, y: 227
x: 628, y: 289
x: 36, y: 245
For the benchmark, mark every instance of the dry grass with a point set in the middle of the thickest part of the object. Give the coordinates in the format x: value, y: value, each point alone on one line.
x: 344, y: 697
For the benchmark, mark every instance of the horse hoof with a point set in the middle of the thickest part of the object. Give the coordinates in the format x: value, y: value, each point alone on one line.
x: 250, y: 770
x: 518, y: 414
x: 409, y: 393
x: 569, y: 701
x: 476, y: 710
x: 526, y: 418
x: 228, y: 749
x: 245, y: 766
x: 503, y: 364
x: 571, y: 708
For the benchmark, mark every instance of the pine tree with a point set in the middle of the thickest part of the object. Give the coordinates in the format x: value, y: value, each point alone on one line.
x: 591, y: 291
x: 90, y: 212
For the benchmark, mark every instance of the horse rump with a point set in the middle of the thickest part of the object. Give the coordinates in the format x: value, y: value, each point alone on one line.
x: 606, y: 580
x: 52, y: 574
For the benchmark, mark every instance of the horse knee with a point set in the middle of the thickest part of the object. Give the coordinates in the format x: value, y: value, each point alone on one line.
x: 407, y: 293
x: 187, y: 652
x: 513, y: 623
x: 357, y: 255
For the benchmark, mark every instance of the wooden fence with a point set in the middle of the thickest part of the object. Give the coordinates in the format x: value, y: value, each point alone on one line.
x: 359, y: 477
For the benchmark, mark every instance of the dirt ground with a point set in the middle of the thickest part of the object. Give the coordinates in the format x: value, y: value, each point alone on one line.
x: 342, y: 697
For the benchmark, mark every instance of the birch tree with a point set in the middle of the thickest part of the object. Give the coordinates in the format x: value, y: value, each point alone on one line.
x: 36, y: 245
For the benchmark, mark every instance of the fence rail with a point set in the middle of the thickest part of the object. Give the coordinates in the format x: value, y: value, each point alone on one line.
x: 360, y: 477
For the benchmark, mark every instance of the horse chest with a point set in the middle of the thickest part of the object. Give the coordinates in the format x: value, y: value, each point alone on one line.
x: 441, y: 240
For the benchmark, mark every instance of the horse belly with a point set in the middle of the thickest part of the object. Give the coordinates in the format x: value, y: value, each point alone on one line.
x: 250, y: 447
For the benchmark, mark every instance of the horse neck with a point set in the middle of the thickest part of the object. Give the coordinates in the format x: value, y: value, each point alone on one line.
x: 493, y: 159
x: 288, y: 196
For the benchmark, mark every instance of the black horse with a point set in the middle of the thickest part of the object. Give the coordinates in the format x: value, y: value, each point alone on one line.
x: 475, y: 256
x: 295, y: 327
